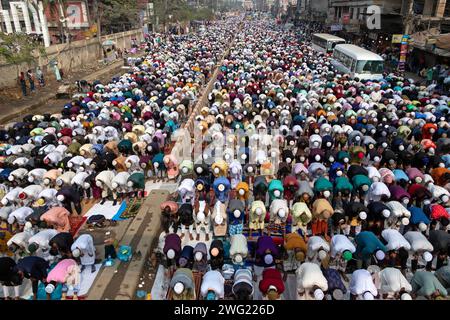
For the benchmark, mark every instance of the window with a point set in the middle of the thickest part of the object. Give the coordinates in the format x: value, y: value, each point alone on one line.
x: 353, y: 65
x: 320, y: 42
x: 367, y: 67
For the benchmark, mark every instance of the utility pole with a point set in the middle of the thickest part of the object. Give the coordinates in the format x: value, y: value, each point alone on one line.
x: 408, y: 25
x: 408, y: 17
x: 165, y: 15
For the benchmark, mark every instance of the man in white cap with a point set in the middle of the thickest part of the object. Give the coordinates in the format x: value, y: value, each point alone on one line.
x: 394, y: 284
x: 19, y: 215
x: 362, y: 286
x: 84, y: 248
x: 39, y: 243
x: 238, y: 248
x: 342, y: 250
x: 368, y: 246
x: 18, y: 243
x: 310, y: 281
x: 318, y: 249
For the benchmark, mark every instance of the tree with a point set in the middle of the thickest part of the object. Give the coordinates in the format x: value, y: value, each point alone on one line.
x: 115, y: 15
x: 181, y: 11
x: 18, y: 48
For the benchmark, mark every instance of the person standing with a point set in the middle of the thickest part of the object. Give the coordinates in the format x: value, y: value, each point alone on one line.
x: 31, y: 79
x: 57, y: 72
x: 40, y: 76
x: 429, y: 75
x: 23, y: 83
x: 84, y: 249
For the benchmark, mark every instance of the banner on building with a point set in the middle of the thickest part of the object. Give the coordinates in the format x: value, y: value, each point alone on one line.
x: 346, y: 18
x: 336, y: 27
x: 403, y: 53
x: 397, y: 38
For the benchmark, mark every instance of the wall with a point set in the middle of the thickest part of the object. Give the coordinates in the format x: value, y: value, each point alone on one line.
x: 69, y: 56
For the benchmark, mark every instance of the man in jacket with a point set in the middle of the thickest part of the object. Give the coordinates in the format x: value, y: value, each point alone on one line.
x: 67, y: 196
x: 9, y: 277
x: 61, y: 244
x: 35, y: 269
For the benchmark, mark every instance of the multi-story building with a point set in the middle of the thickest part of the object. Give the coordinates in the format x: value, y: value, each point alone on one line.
x: 248, y: 5
x: 32, y: 17
x: 315, y: 10
x: 429, y: 19
x: 366, y: 21
x: 423, y: 20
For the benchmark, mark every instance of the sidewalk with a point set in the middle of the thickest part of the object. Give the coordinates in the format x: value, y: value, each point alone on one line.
x: 14, y: 108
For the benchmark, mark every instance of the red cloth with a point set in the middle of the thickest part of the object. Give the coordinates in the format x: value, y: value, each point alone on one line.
x: 271, y: 277
x: 418, y: 190
x: 426, y: 130
x: 319, y: 227
x: 66, y: 132
x: 290, y: 181
x: 438, y: 211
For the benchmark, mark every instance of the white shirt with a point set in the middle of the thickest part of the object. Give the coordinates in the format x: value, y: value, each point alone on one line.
x: 21, y: 214
x: 106, y: 178
x: 418, y: 241
x: 33, y: 190
x: 392, y: 281
x: 79, y: 178
x: 315, y: 243
x: 395, y: 240
x: 362, y: 282
x: 85, y: 243
x: 43, y: 237
x: 340, y: 243
x: 213, y: 280
x: 310, y: 275
x: 48, y: 194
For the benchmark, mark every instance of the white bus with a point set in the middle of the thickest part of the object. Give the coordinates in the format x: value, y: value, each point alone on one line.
x: 325, y: 42
x: 358, y: 62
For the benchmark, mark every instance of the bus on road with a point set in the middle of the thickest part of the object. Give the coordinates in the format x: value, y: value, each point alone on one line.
x: 358, y: 62
x: 325, y: 42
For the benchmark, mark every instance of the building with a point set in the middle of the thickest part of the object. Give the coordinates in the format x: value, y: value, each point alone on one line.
x: 32, y: 17
x: 315, y: 10
x: 429, y: 22
x: 248, y: 5
x: 366, y: 21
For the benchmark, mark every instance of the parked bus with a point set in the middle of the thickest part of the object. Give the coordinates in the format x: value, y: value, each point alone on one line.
x: 358, y: 62
x: 325, y: 42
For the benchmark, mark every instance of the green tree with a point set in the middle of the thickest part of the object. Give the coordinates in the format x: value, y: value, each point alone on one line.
x: 18, y: 48
x: 181, y: 11
x: 115, y: 15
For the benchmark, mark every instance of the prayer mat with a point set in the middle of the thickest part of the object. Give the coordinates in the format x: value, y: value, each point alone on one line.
x: 76, y: 223
x: 132, y: 209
